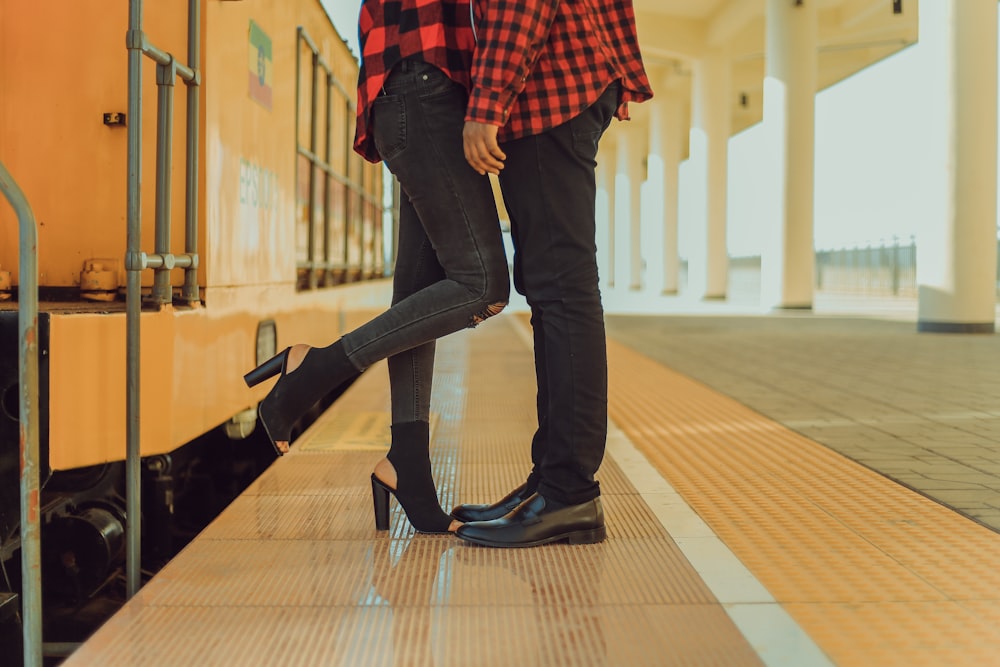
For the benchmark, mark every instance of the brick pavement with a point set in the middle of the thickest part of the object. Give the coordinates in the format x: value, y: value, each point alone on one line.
x: 921, y: 409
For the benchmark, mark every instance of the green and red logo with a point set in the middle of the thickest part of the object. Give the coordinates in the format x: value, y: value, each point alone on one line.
x: 261, y: 66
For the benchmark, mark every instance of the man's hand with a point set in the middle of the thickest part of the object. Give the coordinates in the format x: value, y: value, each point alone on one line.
x: 481, y: 148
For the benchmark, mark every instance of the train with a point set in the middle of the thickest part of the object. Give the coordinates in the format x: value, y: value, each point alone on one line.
x: 265, y: 227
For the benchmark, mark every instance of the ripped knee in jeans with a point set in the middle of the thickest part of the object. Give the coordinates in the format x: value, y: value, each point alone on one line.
x: 488, y: 312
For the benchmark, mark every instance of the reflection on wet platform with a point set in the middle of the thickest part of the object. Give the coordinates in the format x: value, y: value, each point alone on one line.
x: 732, y: 540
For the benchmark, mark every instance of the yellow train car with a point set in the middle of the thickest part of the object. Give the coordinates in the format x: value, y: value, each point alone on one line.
x: 290, y: 230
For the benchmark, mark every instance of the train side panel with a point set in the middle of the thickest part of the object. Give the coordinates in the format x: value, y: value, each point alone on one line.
x: 253, y: 208
x: 258, y: 113
x: 63, y: 65
x: 250, y: 142
x: 192, y: 367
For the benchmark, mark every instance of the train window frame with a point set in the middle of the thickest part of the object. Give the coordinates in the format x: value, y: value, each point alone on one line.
x: 346, y: 210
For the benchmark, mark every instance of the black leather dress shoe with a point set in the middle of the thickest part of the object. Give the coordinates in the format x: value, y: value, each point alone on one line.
x: 532, y: 524
x: 467, y: 513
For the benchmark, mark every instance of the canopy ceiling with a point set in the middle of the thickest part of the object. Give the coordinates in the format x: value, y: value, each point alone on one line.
x: 853, y: 34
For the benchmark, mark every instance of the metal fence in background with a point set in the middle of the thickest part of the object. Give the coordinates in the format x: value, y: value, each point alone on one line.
x: 885, y: 269
x: 882, y: 269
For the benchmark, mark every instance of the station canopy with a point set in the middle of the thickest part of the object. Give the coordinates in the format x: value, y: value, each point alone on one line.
x: 853, y: 35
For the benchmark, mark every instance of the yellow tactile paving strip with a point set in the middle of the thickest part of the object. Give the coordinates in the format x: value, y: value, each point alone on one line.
x: 293, y: 572
x: 875, y: 573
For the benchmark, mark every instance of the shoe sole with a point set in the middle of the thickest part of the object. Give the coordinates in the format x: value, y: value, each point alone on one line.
x: 592, y: 536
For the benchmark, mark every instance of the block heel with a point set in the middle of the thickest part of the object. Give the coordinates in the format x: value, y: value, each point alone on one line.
x: 380, y: 499
x: 266, y: 370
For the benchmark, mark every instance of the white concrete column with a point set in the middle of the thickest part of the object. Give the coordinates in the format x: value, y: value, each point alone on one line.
x: 666, y: 142
x: 610, y: 146
x: 605, y: 214
x: 789, y: 259
x: 957, y: 260
x: 708, y: 267
x: 638, y: 145
x: 623, y: 207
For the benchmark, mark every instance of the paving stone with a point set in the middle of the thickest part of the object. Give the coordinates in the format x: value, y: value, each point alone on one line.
x: 922, y: 409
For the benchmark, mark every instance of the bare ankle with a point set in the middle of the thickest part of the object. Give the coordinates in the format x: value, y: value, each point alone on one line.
x: 295, y: 357
x: 385, y: 471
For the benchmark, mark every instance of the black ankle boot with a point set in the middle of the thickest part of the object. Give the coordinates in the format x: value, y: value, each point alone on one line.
x: 415, y: 492
x: 322, y: 370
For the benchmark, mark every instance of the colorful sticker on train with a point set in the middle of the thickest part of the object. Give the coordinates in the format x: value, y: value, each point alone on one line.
x: 261, y: 66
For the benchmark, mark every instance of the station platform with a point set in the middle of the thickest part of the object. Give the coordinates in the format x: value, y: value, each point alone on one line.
x: 774, y: 489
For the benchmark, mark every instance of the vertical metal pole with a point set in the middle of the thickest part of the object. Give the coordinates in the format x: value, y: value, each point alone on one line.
x: 365, y: 209
x: 190, y: 291
x: 27, y: 315
x: 133, y: 296
x: 327, y: 153
x: 165, y: 77
x: 348, y: 200
x: 313, y: 140
x: 895, y: 265
x: 298, y: 142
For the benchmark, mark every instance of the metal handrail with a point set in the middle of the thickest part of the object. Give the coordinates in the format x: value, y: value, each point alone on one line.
x: 320, y: 253
x: 27, y: 317
x: 162, y: 261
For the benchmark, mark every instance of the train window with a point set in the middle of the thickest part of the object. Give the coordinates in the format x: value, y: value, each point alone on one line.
x: 342, y: 208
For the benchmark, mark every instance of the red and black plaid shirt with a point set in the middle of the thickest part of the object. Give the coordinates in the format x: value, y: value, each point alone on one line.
x: 540, y: 63
x: 436, y: 31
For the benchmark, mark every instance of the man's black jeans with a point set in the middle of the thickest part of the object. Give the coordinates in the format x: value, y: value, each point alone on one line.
x: 549, y: 187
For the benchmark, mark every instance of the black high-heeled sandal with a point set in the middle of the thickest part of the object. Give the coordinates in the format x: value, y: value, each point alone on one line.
x: 414, y: 490
x: 322, y: 369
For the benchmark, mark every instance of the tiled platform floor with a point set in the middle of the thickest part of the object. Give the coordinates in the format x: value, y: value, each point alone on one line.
x: 764, y: 547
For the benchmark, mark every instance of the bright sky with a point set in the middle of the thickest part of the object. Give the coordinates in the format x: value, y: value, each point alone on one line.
x: 868, y: 147
x: 345, y: 17
x: 871, y: 145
